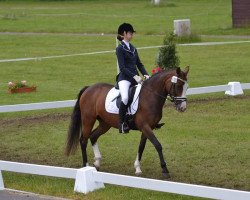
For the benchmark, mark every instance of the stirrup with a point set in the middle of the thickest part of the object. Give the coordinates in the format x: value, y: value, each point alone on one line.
x: 124, y: 128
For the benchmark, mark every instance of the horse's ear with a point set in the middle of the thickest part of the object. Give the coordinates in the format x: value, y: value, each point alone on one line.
x: 178, y: 71
x: 186, y: 70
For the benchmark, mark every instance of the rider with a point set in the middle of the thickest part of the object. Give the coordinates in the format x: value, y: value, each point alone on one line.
x: 128, y: 60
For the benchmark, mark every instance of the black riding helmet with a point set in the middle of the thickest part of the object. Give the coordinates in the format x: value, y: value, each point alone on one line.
x: 125, y: 27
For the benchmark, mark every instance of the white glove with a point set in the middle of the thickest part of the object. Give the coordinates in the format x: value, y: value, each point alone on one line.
x: 146, y: 77
x: 137, y: 79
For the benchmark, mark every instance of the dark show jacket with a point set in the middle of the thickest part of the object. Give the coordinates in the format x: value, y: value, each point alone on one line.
x: 128, y: 60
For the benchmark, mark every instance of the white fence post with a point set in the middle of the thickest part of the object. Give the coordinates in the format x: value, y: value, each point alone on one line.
x: 182, y: 27
x: 234, y: 89
x: 1, y: 181
x: 85, y: 182
x: 156, y: 2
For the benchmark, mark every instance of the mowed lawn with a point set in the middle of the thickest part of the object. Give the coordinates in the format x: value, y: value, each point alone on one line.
x: 62, y: 78
x: 207, y: 145
x: 207, y: 16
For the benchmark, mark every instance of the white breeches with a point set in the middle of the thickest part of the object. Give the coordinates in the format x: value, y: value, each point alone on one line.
x: 124, y: 87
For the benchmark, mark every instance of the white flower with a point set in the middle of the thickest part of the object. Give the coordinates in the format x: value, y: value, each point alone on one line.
x: 23, y: 82
x: 10, y: 83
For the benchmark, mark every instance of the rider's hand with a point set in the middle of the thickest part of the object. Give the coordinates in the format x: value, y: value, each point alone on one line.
x: 146, y: 77
x: 137, y: 78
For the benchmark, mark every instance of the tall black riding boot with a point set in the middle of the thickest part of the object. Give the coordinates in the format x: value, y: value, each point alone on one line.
x: 123, y: 126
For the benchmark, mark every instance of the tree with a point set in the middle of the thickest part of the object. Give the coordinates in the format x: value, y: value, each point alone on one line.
x: 167, y: 55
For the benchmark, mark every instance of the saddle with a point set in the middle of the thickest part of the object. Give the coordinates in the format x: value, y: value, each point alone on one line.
x: 131, y: 94
x: 113, y: 100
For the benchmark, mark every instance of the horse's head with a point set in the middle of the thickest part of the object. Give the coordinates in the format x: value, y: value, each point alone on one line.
x: 176, y: 87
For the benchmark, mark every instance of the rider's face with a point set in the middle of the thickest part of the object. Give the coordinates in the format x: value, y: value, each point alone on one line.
x: 128, y: 36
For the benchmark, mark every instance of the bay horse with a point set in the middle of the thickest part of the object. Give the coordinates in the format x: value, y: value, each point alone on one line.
x: 90, y: 106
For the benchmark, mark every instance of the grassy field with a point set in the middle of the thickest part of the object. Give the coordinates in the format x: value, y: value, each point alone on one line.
x: 207, y: 16
x: 207, y: 145
x: 62, y: 78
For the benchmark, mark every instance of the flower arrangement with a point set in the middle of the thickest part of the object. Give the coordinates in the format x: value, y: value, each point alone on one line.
x: 19, y: 87
x: 156, y: 69
x: 13, y: 85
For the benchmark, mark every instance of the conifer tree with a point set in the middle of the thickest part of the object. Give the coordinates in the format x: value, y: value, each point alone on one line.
x: 168, y: 58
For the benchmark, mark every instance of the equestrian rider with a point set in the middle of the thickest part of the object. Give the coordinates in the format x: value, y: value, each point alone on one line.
x: 128, y: 60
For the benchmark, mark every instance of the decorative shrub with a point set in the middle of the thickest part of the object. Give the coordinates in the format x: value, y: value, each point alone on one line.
x: 168, y: 58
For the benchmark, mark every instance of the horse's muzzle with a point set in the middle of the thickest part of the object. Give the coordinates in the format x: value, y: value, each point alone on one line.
x: 182, y: 106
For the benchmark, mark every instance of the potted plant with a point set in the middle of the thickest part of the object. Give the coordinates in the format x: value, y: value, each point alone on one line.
x: 20, y: 87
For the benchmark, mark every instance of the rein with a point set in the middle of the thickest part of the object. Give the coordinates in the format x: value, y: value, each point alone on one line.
x: 156, y: 93
x: 170, y: 97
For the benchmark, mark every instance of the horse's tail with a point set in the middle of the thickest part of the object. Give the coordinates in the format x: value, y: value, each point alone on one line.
x: 74, y: 127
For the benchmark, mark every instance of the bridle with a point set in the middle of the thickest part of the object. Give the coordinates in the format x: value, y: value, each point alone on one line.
x: 171, y: 97
x: 172, y: 92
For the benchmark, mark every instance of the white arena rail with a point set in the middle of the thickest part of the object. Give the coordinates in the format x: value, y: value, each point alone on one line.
x: 245, y: 86
x: 37, y: 106
x: 87, y: 179
x: 210, y: 89
x: 229, y: 89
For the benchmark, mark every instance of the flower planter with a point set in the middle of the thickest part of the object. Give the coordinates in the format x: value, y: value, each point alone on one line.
x: 22, y: 90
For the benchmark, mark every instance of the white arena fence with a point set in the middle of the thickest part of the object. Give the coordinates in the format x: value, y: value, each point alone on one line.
x: 87, y: 179
x: 232, y: 88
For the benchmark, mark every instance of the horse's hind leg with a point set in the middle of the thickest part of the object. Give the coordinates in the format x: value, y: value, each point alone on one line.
x: 87, y: 126
x: 139, y: 155
x: 101, y: 129
x: 83, y: 143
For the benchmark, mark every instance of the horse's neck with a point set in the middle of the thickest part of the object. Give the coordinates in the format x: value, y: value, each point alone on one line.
x: 157, y: 89
x: 158, y: 84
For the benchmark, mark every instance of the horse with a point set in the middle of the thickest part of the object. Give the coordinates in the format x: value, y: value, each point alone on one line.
x: 90, y: 106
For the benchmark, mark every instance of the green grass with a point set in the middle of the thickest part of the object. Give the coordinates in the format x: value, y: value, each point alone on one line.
x: 62, y: 78
x: 207, y: 16
x: 207, y: 145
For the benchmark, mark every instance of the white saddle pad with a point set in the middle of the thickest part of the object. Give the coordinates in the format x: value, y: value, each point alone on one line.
x: 110, y: 102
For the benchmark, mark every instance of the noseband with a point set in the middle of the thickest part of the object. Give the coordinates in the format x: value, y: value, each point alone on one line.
x: 173, y: 97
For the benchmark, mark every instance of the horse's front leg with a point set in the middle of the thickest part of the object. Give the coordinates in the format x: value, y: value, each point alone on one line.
x: 147, y: 131
x: 137, y: 164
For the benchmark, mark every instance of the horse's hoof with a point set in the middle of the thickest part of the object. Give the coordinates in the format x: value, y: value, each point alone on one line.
x: 97, y: 168
x: 138, y: 173
x: 166, y: 175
